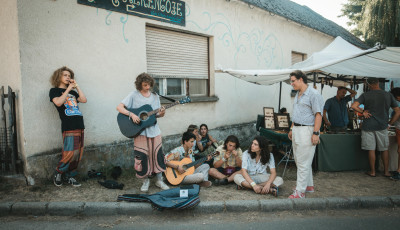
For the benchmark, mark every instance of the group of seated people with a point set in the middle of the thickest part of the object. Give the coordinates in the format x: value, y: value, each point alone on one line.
x: 247, y: 169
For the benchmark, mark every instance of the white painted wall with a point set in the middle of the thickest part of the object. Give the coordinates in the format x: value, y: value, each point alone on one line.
x: 10, y: 74
x: 107, y: 51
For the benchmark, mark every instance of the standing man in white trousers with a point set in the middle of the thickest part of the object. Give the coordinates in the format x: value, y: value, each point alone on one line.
x: 304, y: 133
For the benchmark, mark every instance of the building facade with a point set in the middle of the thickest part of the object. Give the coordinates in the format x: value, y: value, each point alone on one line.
x: 108, y: 49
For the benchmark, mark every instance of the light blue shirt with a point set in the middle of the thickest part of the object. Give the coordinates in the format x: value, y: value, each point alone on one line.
x: 254, y: 167
x: 135, y: 100
x: 305, y: 108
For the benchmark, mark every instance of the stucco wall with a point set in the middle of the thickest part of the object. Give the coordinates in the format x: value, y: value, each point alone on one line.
x: 10, y: 74
x: 107, y: 51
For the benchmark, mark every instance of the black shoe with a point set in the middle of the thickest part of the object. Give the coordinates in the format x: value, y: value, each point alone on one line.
x: 57, y: 179
x: 396, y: 176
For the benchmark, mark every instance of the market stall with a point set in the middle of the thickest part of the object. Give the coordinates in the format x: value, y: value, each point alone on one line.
x: 344, y: 62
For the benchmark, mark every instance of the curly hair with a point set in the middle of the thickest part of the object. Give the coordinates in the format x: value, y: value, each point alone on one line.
x: 233, y: 139
x: 143, y: 77
x: 55, y: 79
x: 263, y: 144
x: 186, y: 136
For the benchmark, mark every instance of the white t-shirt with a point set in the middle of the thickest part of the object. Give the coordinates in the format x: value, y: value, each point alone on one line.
x: 135, y: 100
x: 254, y: 167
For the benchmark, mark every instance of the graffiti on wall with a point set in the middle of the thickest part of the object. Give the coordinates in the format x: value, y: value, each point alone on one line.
x: 264, y: 47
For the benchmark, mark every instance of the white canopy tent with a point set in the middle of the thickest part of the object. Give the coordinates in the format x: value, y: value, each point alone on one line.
x: 339, y: 58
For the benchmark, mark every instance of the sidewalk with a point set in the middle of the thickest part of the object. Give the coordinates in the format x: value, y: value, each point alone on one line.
x: 209, y: 207
x: 337, y: 190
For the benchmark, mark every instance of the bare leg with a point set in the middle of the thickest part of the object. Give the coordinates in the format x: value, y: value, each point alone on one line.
x: 371, y: 158
x: 247, y: 185
x: 230, y: 178
x: 216, y: 174
x: 385, y: 159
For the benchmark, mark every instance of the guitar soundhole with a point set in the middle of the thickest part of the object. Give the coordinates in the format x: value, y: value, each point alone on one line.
x: 144, y: 116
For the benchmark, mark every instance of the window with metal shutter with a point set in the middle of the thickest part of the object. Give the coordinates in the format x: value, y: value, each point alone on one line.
x: 297, y: 57
x: 178, y: 61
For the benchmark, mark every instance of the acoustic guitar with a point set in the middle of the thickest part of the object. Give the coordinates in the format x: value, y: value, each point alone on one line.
x: 175, y: 178
x: 147, y: 118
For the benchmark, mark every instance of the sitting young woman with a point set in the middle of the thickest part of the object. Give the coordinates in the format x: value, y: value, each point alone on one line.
x: 254, y: 174
x: 205, y: 144
x: 228, y: 163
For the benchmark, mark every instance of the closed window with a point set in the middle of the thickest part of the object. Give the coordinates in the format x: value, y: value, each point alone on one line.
x: 298, y: 57
x: 178, y: 62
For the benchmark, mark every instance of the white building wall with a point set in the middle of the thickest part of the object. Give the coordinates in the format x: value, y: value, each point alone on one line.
x: 10, y: 74
x: 107, y: 51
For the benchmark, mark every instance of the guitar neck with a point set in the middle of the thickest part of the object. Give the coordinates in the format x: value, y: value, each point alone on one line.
x: 199, y: 161
x: 166, y: 107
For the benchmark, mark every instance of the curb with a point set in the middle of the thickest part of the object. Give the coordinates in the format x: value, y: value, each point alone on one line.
x: 207, y: 207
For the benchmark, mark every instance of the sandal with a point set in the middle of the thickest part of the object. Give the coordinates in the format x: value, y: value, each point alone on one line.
x: 274, y: 191
x: 238, y: 187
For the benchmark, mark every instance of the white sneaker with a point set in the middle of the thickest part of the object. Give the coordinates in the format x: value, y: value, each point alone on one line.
x: 145, y: 186
x: 162, y: 185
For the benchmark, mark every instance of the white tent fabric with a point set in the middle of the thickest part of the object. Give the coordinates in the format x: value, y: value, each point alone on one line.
x: 339, y: 57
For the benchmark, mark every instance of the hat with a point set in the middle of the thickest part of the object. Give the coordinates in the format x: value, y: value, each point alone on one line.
x: 372, y: 80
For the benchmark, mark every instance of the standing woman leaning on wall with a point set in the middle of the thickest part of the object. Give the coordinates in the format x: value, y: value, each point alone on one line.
x: 65, y: 96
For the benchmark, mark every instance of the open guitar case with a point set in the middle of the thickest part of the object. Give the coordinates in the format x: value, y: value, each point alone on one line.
x: 171, y: 199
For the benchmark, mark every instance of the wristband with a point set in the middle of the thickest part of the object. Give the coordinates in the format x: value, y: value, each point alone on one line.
x: 253, y: 184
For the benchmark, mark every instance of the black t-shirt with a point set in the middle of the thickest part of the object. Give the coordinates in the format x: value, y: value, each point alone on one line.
x: 70, y: 115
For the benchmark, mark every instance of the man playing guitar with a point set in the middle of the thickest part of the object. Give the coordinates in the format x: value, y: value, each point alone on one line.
x: 200, y: 175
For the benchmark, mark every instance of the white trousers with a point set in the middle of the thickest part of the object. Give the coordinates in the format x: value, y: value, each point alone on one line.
x: 303, y: 151
x: 200, y: 174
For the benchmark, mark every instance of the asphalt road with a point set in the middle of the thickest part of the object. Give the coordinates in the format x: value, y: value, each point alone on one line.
x: 342, y: 219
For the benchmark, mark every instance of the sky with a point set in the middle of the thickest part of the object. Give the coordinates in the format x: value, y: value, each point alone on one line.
x: 329, y: 9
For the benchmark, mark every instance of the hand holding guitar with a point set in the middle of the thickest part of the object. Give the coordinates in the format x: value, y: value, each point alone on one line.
x: 162, y: 112
x: 134, y: 118
x: 180, y: 169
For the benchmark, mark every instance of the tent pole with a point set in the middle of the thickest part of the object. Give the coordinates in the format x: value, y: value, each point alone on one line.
x: 280, y: 92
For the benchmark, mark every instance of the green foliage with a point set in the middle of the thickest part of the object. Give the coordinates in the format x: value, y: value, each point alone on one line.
x: 374, y: 20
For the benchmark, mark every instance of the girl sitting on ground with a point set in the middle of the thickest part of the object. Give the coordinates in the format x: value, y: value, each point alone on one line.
x: 228, y: 163
x: 254, y: 174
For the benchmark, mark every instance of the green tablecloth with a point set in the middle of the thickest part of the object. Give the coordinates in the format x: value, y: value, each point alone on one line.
x: 341, y: 152
x: 277, y: 138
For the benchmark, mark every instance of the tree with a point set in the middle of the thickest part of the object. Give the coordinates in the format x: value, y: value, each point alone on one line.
x: 374, y: 20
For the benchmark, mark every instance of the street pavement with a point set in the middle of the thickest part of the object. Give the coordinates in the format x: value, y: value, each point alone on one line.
x: 366, y: 219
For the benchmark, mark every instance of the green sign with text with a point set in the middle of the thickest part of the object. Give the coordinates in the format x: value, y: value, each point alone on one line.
x: 172, y: 11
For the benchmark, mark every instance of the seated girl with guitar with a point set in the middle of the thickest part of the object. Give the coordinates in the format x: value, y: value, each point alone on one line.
x: 177, y: 173
x: 228, y: 163
x: 254, y: 174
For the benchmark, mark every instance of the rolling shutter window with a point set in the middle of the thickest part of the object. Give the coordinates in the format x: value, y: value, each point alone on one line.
x: 173, y: 54
x: 297, y: 57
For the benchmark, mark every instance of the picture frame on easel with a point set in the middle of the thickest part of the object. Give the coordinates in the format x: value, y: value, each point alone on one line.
x: 269, y: 119
x: 282, y: 121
